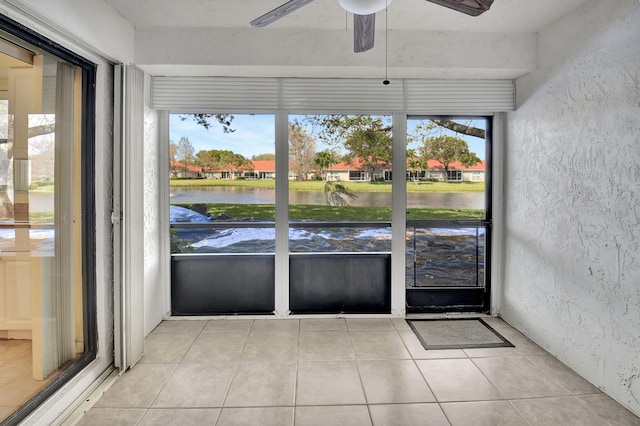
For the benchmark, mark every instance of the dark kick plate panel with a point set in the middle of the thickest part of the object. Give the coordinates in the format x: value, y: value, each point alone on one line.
x: 220, y: 284
x: 453, y: 299
x: 340, y: 283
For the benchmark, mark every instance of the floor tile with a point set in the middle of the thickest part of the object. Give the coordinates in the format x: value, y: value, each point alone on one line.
x: 196, y: 385
x: 344, y: 415
x: 180, y: 416
x: 166, y: 348
x: 491, y: 352
x: 268, y: 326
x: 418, y: 351
x: 378, y: 344
x: 228, y: 325
x: 316, y: 324
x: 111, y: 417
x: 325, y: 345
x: 562, y: 374
x: 257, y: 384
x: 265, y: 347
x: 517, y: 377
x: 323, y: 371
x: 408, y: 415
x: 400, y: 324
x: 180, y: 326
x: 495, y: 322
x: 457, y: 380
x: 565, y: 411
x: 609, y: 409
x: 521, y: 342
x: 137, y: 388
x: 263, y: 416
x: 483, y: 413
x: 215, y: 347
x: 328, y: 383
x: 369, y: 324
x: 393, y: 381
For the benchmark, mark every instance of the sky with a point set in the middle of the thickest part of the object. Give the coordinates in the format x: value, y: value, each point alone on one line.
x: 255, y: 134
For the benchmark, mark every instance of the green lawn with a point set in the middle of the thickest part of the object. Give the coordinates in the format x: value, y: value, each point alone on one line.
x: 334, y: 213
x: 316, y: 185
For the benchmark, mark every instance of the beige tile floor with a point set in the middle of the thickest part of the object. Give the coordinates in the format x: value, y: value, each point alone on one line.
x: 343, y: 372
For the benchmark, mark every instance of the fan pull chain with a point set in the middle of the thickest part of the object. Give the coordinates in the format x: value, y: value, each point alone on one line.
x: 386, y: 43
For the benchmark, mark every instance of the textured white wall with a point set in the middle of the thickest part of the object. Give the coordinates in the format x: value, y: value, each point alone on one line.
x: 572, y: 191
x: 156, y: 305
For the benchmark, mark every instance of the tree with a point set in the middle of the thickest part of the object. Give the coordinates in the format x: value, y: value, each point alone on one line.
x: 372, y: 147
x: 205, y: 160
x: 415, y: 163
x: 446, y: 150
x: 219, y: 159
x: 335, y: 129
x: 460, y: 128
x: 173, y: 151
x: 205, y: 120
x: 325, y: 159
x: 302, y: 150
x: 264, y: 157
x: 184, y: 152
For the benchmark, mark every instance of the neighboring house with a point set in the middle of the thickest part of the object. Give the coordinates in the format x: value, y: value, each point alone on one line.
x: 179, y: 170
x: 262, y: 169
x: 257, y: 170
x: 457, y: 172
x: 355, y: 171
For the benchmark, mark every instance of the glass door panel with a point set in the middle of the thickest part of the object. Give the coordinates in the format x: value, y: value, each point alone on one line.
x: 41, y: 241
x: 447, y: 214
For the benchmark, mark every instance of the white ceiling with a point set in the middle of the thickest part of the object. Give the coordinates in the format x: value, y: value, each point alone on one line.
x: 505, y: 16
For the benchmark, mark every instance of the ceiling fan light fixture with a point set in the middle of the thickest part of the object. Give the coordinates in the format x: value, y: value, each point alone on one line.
x: 363, y: 7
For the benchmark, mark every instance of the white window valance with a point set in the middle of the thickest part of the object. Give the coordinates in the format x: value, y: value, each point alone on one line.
x: 305, y: 95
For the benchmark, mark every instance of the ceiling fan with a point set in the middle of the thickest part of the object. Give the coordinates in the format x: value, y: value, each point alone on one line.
x: 364, y: 15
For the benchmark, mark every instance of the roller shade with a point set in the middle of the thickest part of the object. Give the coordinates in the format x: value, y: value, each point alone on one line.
x: 415, y: 96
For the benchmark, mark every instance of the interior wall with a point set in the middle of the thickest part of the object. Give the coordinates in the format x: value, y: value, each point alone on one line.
x: 572, y: 242
x: 156, y: 305
x: 92, y: 23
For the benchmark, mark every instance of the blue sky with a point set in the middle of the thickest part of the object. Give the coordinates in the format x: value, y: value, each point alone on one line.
x: 255, y: 134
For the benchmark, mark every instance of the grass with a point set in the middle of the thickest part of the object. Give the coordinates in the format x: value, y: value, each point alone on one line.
x: 334, y: 213
x: 316, y: 185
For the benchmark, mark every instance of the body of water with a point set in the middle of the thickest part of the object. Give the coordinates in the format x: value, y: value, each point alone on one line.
x: 234, y: 195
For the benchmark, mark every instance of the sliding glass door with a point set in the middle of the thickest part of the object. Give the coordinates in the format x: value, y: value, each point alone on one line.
x: 45, y: 213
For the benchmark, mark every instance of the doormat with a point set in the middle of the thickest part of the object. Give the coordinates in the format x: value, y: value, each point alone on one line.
x: 457, y: 333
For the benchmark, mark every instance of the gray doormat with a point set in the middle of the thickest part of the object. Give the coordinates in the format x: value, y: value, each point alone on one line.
x: 457, y: 333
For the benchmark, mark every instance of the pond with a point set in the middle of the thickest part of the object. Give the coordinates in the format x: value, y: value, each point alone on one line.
x: 235, y: 195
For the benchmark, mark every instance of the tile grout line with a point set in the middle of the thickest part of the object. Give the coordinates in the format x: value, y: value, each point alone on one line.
x: 235, y: 371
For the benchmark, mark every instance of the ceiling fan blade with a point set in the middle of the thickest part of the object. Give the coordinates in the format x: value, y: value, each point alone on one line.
x: 279, y: 12
x: 469, y: 7
x: 364, y: 29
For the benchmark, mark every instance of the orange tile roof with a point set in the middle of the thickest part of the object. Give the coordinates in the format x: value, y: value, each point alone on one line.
x: 357, y: 164
x: 264, y: 165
